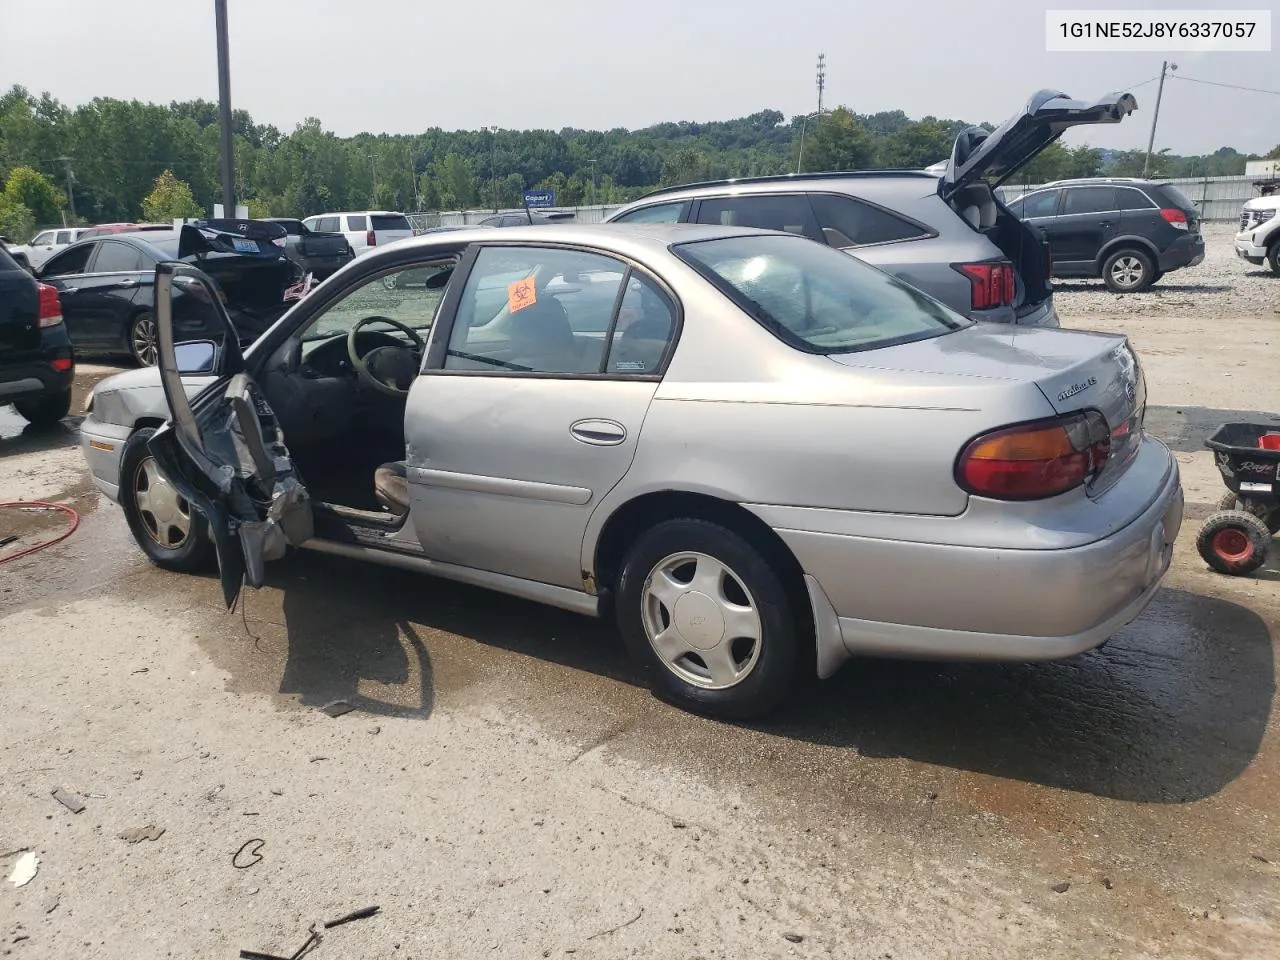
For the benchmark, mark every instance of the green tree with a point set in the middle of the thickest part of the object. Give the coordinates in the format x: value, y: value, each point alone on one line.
x: 169, y: 199
x: 454, y: 180
x: 686, y: 165
x: 31, y: 189
x: 915, y: 146
x: 1274, y: 154
x: 17, y: 222
x: 837, y: 141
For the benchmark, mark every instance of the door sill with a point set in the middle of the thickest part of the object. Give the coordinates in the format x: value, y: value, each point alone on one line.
x: 364, y: 518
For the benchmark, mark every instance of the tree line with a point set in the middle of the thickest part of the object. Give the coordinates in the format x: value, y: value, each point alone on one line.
x: 114, y: 160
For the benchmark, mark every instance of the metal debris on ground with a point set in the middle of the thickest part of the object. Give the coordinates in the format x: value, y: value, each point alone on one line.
x: 24, y: 869
x: 138, y: 834
x: 68, y: 800
x: 337, y: 708
x: 315, y: 935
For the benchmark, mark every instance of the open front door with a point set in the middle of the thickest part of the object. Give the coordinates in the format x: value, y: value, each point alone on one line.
x: 224, y: 452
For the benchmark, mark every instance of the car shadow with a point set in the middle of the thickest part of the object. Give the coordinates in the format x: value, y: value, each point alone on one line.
x: 17, y: 436
x: 1160, y: 286
x: 1171, y: 710
x: 1185, y: 429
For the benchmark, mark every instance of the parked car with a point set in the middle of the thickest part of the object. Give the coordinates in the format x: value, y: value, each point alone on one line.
x: 751, y: 448
x: 43, y: 245
x: 523, y: 219
x: 363, y: 229
x: 1258, y: 241
x: 107, y: 284
x: 1128, y: 232
x: 37, y: 364
x: 109, y: 229
x: 320, y: 254
x: 946, y: 233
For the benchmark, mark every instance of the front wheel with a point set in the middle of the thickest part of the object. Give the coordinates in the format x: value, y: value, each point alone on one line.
x: 1233, y: 542
x: 170, y: 533
x: 1273, y: 257
x: 1128, y: 271
x: 708, y: 620
x: 143, y: 344
x: 47, y: 410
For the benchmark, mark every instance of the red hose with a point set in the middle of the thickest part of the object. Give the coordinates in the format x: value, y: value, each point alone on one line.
x: 75, y: 522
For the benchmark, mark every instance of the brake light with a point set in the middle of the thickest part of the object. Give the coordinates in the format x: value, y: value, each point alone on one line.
x: 369, y: 238
x: 1175, y: 218
x: 1031, y: 461
x: 49, y: 311
x: 992, y: 283
x: 62, y: 364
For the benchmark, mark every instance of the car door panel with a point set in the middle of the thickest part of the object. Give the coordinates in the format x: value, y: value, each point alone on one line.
x: 1088, y: 218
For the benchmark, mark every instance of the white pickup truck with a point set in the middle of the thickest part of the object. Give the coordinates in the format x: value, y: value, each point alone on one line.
x: 1259, y: 238
x: 43, y: 246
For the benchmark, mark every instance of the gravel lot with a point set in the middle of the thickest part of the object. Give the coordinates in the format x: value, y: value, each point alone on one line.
x: 505, y: 789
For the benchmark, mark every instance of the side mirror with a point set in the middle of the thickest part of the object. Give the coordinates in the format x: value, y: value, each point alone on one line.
x: 196, y: 356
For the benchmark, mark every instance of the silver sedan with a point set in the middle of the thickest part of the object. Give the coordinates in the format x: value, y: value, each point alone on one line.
x: 754, y: 451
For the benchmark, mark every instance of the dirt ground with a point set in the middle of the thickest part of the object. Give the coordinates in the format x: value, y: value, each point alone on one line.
x: 503, y: 787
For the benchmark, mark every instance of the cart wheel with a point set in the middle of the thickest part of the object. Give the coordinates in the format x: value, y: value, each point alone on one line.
x: 1268, y: 515
x: 1234, y: 542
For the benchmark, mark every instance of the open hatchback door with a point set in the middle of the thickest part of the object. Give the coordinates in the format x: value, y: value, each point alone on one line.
x: 224, y: 452
x: 996, y: 155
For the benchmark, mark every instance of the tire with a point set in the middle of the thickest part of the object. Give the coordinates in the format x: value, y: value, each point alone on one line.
x: 1273, y: 257
x: 142, y: 339
x: 152, y: 522
x: 1233, y: 542
x: 1269, y: 517
x: 47, y: 410
x: 1128, y: 271
x: 751, y: 675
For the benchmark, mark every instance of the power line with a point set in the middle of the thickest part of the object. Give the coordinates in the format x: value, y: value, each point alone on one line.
x: 1231, y: 86
x: 1143, y: 83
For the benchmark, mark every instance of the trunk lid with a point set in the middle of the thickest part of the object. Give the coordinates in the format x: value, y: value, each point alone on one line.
x: 996, y: 155
x: 19, y: 308
x: 1074, y: 370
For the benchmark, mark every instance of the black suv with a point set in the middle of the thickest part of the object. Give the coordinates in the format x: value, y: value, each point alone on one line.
x: 37, y: 365
x: 1128, y: 232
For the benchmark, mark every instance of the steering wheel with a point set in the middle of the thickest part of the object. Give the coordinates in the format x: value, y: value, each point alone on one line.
x: 382, y: 367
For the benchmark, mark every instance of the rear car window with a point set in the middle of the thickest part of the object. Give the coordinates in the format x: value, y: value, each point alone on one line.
x: 117, y: 258
x: 815, y: 298
x: 846, y: 222
x: 1089, y: 200
x: 1041, y: 204
x: 1173, y: 197
x: 356, y: 223
x: 327, y: 225
x: 658, y: 213
x: 389, y: 222
x: 1127, y: 198
x: 787, y: 212
x: 69, y: 262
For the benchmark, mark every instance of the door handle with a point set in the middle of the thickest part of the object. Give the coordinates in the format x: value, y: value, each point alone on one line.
x: 69, y: 290
x: 598, y: 433
x: 1104, y: 223
x: 128, y: 282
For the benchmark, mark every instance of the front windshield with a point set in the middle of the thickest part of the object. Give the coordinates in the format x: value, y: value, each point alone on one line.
x: 814, y: 298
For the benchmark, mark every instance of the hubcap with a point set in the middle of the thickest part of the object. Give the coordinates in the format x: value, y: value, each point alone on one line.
x: 1232, y: 544
x: 701, y: 620
x: 1127, y: 271
x: 144, y: 341
x: 165, y: 512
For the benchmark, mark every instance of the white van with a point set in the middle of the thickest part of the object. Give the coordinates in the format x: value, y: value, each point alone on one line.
x: 363, y: 228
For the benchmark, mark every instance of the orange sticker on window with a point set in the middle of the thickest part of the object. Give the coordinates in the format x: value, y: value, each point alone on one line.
x: 521, y: 294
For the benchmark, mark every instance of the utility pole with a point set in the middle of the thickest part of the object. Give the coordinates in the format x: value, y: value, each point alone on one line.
x: 493, y: 164
x: 71, y: 179
x: 1164, y: 67
x: 224, y: 108
x: 822, y: 79
x: 803, y: 125
x: 594, y: 198
x: 373, y: 165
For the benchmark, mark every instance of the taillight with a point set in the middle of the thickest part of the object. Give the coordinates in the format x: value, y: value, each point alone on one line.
x: 1031, y: 461
x: 1175, y: 218
x: 62, y: 364
x: 992, y: 283
x: 369, y: 238
x: 49, y: 311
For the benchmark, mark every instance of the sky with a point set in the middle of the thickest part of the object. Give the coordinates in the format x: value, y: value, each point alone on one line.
x: 401, y: 66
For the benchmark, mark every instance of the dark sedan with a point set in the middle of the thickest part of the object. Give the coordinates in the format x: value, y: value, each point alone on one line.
x: 107, y: 284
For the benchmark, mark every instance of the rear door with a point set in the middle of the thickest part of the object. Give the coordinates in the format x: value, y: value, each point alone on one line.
x: 1040, y: 209
x: 789, y: 212
x: 1089, y: 218
x: 68, y: 273
x: 225, y: 452
x: 107, y: 295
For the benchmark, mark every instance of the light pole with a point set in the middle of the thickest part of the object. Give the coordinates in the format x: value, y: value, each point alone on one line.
x: 594, y: 198
x: 373, y: 166
x: 493, y: 164
x: 1164, y: 67
x: 71, y: 196
x: 224, y: 108
x: 805, y: 123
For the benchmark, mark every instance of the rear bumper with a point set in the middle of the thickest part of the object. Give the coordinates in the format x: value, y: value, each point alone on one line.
x: 1184, y: 252
x: 31, y: 375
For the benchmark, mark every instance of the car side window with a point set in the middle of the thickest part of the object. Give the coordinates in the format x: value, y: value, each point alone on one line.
x: 411, y: 295
x: 644, y: 330
x: 41, y: 239
x: 1128, y: 198
x: 327, y: 225
x: 547, y: 310
x: 115, y: 257
x: 788, y: 212
x: 657, y: 213
x: 1089, y: 200
x: 356, y: 224
x: 64, y: 237
x: 846, y: 222
x: 1043, y: 204
x: 69, y: 262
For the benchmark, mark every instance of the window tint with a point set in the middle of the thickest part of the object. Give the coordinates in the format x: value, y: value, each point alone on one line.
x: 644, y: 330
x: 71, y: 261
x: 538, y: 310
x: 1173, y: 197
x: 1041, y: 204
x: 64, y: 237
x: 328, y: 225
x: 814, y: 298
x: 411, y: 295
x: 846, y: 222
x: 388, y: 222
x: 1089, y: 200
x: 490, y: 222
x: 42, y: 239
x: 355, y: 224
x: 658, y: 213
x: 117, y: 258
x: 790, y: 213
x: 1128, y: 198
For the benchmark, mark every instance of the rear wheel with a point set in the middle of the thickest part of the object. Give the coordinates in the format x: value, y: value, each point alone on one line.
x: 1269, y: 516
x: 1233, y: 542
x: 143, y: 344
x: 708, y: 620
x: 169, y: 532
x: 47, y: 410
x: 1128, y: 271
